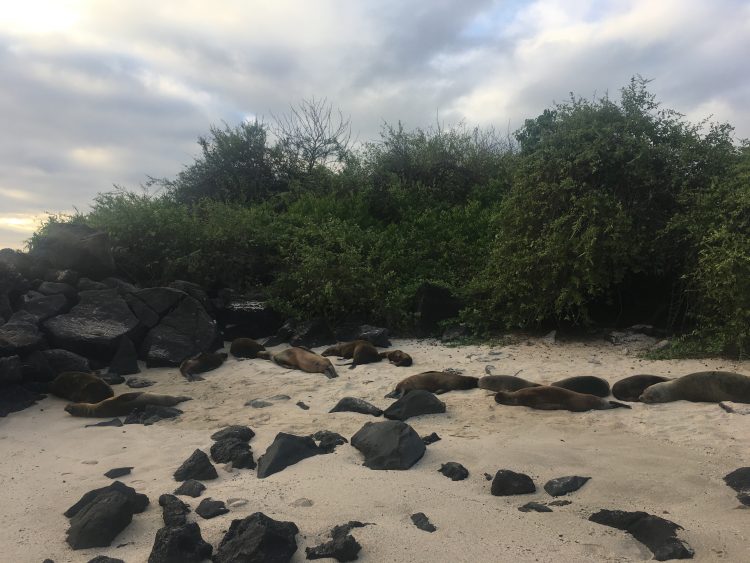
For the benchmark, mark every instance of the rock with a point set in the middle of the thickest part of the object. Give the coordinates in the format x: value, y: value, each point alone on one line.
x: 190, y: 488
x: 236, y: 502
x: 564, y: 485
x: 656, y: 533
x: 125, y: 360
x: 105, y: 559
x: 342, y: 547
x: 508, y: 483
x: 414, y: 403
x: 174, y: 511
x: 245, y: 317
x: 151, y: 414
x: 138, y: 382
x: 63, y: 360
x: 302, y: 405
x: 421, y: 521
x: 56, y: 288
x: 258, y: 404
x: 535, y: 507
x: 20, y: 337
x: 327, y: 440
x: 10, y: 370
x: 280, y: 397
x: 35, y: 367
x: 433, y: 304
x: 559, y: 503
x: 14, y: 398
x: 122, y: 287
x: 302, y: 502
x: 374, y: 335
x: 209, y: 508
x: 94, y: 327
x: 76, y: 247
x: 390, y: 444
x: 45, y: 307
x: 739, y: 479
x: 258, y: 539
x: 180, y: 544
x: 117, y: 472
x: 454, y: 471
x: 286, y: 450
x: 114, y: 422
x: 431, y: 439
x: 352, y: 404
x: 283, y: 334
x: 238, y: 432
x: 111, y: 378
x: 138, y: 501
x: 313, y: 333
x: 744, y: 498
x: 197, y: 466
x: 86, y: 284
x: 234, y: 451
x: 196, y: 292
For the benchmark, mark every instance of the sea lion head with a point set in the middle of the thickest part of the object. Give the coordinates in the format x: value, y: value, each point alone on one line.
x: 505, y: 398
x: 330, y: 372
x: 655, y: 394
x: 73, y: 409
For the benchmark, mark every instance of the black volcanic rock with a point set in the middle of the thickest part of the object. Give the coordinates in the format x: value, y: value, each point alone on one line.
x: 431, y: 439
x: 390, y: 444
x: 376, y: 336
x: 45, y: 307
x: 125, y: 360
x: 327, y: 440
x: 454, y: 471
x: 421, y: 521
x: 534, y: 507
x: 564, y: 485
x: 352, y: 404
x: 11, y: 370
x: 64, y: 360
x: 341, y: 547
x: 118, y: 472
x: 209, y: 508
x: 414, y: 403
x: 239, y: 432
x: 198, y: 467
x: 739, y: 479
x: 180, y: 544
x: 138, y: 501
x: 286, y: 450
x: 14, y: 398
x: 233, y: 450
x: 258, y: 539
x: 21, y: 337
x: 656, y: 533
x: 507, y: 482
x: 174, y: 511
x: 57, y: 288
x: 190, y: 488
x: 35, y: 367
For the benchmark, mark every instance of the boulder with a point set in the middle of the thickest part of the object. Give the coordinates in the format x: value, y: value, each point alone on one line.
x: 118, y: 472
x: 454, y: 471
x: 63, y: 360
x: 564, y: 485
x: 86, y: 284
x: 390, y: 444
x: 234, y: 451
x: 421, y: 521
x: 35, y: 367
x: 432, y: 305
x: 75, y: 247
x: 20, y: 336
x: 341, y: 547
x: 53, y: 288
x: 327, y: 440
x: 245, y: 317
x: 14, y: 398
x: 286, y: 450
x: 197, y: 466
x: 173, y: 511
x: 45, y: 307
x: 11, y: 371
x: 258, y: 539
x: 377, y: 336
x: 125, y: 360
x: 69, y: 277
x: 352, y: 404
x: 243, y: 433
x: 138, y: 501
x: 190, y: 488
x: 209, y: 508
x: 180, y: 544
x: 431, y: 438
x: 507, y: 483
x: 414, y: 403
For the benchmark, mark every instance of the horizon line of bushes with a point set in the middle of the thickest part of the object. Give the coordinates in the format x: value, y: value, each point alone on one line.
x: 595, y: 212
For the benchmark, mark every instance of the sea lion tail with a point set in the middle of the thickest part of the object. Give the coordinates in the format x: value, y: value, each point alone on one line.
x: 616, y: 405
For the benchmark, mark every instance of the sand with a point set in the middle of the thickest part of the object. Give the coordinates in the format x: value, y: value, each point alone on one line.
x: 667, y: 460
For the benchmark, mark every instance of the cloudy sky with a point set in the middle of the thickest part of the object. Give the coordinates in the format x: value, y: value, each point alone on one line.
x: 96, y: 93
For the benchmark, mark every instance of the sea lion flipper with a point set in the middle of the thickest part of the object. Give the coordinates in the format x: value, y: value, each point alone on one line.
x: 616, y: 405
x: 441, y: 391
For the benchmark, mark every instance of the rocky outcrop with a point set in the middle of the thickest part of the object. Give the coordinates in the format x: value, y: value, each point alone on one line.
x: 391, y: 444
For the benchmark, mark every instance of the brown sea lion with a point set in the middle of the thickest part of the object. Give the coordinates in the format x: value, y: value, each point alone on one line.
x: 359, y: 351
x: 397, y: 358
x: 299, y: 358
x: 586, y: 384
x: 551, y: 398
x: 80, y: 387
x: 203, y: 362
x: 630, y: 388
x: 433, y: 381
x: 245, y: 348
x: 504, y: 383
x: 701, y: 387
x: 122, y: 405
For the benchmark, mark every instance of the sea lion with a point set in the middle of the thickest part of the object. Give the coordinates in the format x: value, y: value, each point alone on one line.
x: 397, y: 358
x: 433, y: 381
x: 701, y: 387
x: 504, y: 383
x: 586, y: 384
x: 299, y: 358
x: 122, y: 405
x: 80, y: 387
x: 359, y: 351
x: 630, y: 388
x: 203, y: 362
x: 245, y: 348
x: 549, y: 398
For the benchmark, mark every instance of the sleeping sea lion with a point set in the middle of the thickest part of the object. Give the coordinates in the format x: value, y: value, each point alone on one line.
x: 245, y: 348
x: 551, y: 398
x: 122, y: 405
x: 504, y: 383
x: 203, y: 362
x: 299, y: 358
x: 630, y: 388
x: 701, y: 387
x: 80, y: 387
x: 397, y: 358
x: 433, y: 381
x: 586, y: 384
x: 359, y: 351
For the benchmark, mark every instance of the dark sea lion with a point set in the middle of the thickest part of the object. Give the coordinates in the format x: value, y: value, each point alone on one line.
x: 504, y: 383
x: 80, y: 387
x: 701, y: 387
x: 630, y: 388
x: 586, y: 384
x: 433, y: 381
x: 359, y: 351
x: 551, y: 398
x: 302, y: 359
x: 203, y: 362
x: 245, y: 348
x: 397, y: 358
x: 122, y: 405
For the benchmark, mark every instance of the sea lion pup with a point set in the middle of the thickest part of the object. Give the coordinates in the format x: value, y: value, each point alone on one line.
x: 630, y: 388
x: 549, y: 398
x: 359, y: 351
x: 504, y: 383
x: 122, y: 405
x: 203, y: 362
x: 701, y: 387
x: 299, y: 358
x: 245, y: 348
x: 397, y: 358
x: 433, y: 381
x: 586, y: 384
x: 80, y: 387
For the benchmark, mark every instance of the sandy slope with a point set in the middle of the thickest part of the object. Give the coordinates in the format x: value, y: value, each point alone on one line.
x: 665, y: 459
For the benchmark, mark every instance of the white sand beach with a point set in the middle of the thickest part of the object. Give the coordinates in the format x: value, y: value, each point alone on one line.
x: 667, y: 460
